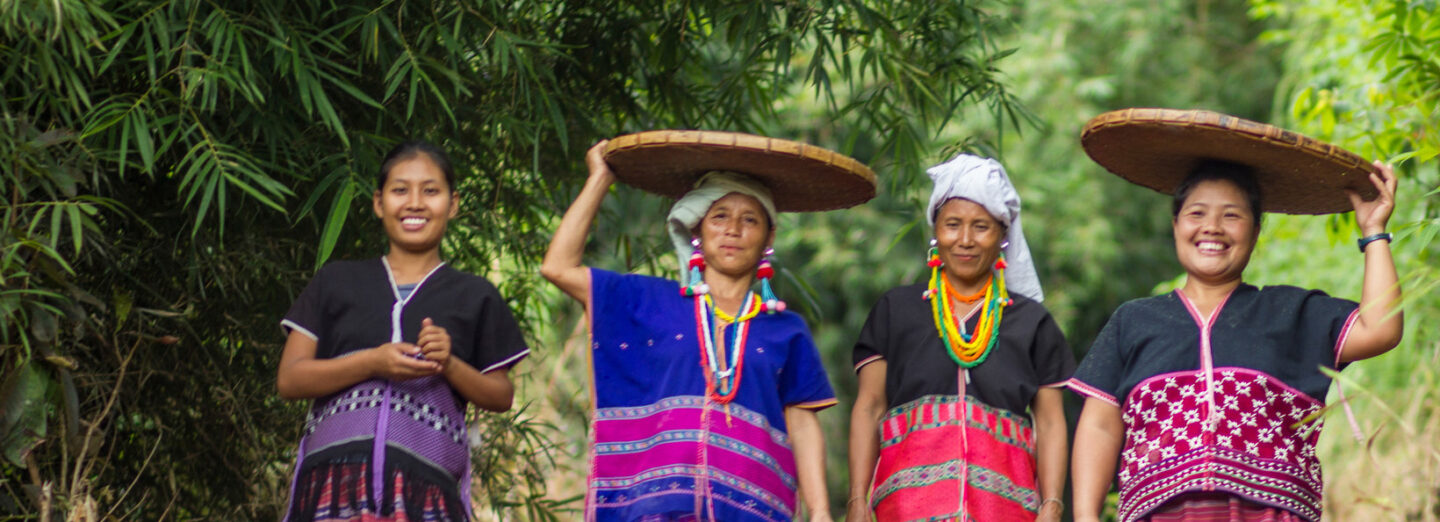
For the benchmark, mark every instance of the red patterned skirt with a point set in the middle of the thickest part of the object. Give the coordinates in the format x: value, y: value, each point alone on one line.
x: 942, y: 458
x: 337, y: 492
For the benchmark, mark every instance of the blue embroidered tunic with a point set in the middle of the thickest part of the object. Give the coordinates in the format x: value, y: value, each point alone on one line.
x: 663, y: 449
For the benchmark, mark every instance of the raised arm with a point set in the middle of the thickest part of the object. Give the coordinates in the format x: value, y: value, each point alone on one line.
x: 564, y: 261
x: 1380, y: 324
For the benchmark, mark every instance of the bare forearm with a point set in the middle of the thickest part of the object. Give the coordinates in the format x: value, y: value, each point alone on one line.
x: 870, y: 403
x: 491, y: 391
x: 1380, y: 324
x: 864, y: 450
x: 311, y: 378
x: 1381, y: 294
x: 564, y: 260
x: 809, y: 446
x: 1098, y: 436
x: 567, y: 247
x: 1052, y: 449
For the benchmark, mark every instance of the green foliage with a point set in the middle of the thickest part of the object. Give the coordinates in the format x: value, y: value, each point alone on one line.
x: 1363, y: 76
x: 1098, y: 240
x: 181, y: 167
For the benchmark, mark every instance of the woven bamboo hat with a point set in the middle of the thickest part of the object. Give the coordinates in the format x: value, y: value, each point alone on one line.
x: 801, y: 177
x: 1157, y: 148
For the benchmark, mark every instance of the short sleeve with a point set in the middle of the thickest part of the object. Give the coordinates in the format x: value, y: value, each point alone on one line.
x: 306, y: 314
x: 1054, y: 362
x: 868, y: 347
x: 499, y: 340
x: 604, y: 285
x: 1326, y: 321
x: 1099, y: 373
x: 803, y: 382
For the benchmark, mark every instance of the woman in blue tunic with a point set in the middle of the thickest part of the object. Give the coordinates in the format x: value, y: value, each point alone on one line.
x: 390, y: 350
x: 706, y: 391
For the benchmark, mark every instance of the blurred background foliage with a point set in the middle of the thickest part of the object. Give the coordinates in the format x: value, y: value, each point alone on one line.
x: 175, y: 171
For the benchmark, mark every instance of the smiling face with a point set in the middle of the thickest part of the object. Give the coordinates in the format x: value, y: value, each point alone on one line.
x: 969, y: 239
x: 734, y: 235
x: 1215, y: 232
x: 414, y: 203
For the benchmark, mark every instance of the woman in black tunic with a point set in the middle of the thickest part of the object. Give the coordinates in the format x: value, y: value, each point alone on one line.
x: 1210, y: 396
x: 959, y: 412
x: 391, y: 350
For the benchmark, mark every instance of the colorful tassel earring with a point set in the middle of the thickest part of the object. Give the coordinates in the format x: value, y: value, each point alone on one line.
x: 770, y: 304
x: 697, y: 284
x: 933, y: 261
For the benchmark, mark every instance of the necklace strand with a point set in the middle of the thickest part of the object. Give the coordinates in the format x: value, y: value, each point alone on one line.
x: 722, y: 385
x: 968, y: 350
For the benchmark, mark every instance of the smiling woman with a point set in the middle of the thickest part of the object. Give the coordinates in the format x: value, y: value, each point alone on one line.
x: 415, y: 201
x: 1206, y: 395
x: 968, y: 240
x: 959, y: 413
x: 390, y: 351
x: 1216, y: 221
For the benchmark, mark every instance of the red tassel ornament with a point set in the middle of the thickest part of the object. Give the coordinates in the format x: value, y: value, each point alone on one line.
x: 765, y: 271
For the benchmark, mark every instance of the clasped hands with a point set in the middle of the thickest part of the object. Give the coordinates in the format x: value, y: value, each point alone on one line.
x: 429, y: 355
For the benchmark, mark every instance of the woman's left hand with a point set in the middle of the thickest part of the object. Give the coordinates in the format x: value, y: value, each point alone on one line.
x: 1374, y: 214
x: 434, y: 343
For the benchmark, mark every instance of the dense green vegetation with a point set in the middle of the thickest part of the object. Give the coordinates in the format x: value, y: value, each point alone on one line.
x: 175, y: 171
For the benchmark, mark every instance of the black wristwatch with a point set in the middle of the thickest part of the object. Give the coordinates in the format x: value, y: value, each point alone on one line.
x: 1365, y: 241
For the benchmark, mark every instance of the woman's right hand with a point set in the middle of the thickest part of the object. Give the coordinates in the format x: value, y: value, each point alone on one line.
x: 595, y: 161
x: 400, y: 362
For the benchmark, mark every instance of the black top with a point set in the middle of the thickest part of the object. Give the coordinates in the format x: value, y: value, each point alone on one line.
x: 347, y: 307
x: 1284, y: 331
x: 1031, y: 352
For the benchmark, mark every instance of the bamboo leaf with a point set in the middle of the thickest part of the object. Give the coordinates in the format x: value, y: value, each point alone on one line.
x: 249, y: 189
x: 77, y: 226
x: 335, y: 222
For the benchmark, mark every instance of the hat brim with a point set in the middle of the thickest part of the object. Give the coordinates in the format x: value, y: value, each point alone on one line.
x: 801, y: 177
x: 1157, y: 148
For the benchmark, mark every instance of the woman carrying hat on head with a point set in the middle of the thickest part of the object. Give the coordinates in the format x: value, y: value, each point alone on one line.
x: 705, y: 390
x: 1209, y: 396
x: 959, y: 414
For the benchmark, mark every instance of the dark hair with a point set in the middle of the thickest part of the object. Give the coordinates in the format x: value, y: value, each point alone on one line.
x: 1243, y: 177
x: 407, y: 150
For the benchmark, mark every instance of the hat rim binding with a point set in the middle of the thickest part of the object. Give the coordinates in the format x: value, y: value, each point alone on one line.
x: 801, y: 177
x: 1156, y: 148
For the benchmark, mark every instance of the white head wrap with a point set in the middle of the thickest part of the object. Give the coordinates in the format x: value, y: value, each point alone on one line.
x: 691, y: 208
x: 983, y: 181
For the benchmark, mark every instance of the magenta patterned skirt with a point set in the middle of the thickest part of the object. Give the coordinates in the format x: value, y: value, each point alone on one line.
x: 1218, y: 507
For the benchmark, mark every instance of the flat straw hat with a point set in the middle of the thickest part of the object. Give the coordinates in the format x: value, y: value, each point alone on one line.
x: 801, y: 177
x: 1157, y: 148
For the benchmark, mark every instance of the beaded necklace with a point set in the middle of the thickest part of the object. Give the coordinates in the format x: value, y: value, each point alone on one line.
x: 722, y: 384
x: 967, y: 349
